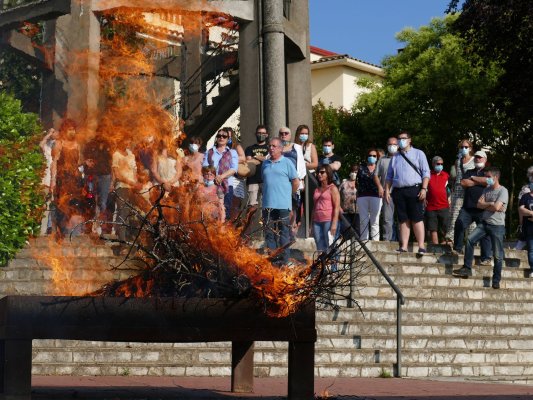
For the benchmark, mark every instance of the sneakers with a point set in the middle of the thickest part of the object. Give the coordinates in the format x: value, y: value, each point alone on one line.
x: 495, y: 285
x: 463, y: 272
x: 486, y: 263
x: 400, y: 250
x: 454, y: 252
x: 421, y: 252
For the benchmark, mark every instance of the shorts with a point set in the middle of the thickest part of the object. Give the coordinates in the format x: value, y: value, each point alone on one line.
x: 253, y: 193
x: 436, y: 218
x: 408, y: 207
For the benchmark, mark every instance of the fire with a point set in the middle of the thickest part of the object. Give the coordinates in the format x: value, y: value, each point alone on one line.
x: 133, y: 109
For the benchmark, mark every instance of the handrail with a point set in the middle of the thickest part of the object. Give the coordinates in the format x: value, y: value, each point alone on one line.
x: 400, y: 298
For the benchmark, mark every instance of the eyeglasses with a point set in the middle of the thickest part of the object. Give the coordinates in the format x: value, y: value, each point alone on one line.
x: 284, y: 133
x: 222, y: 136
x: 321, y: 172
x: 372, y: 155
x: 478, y: 157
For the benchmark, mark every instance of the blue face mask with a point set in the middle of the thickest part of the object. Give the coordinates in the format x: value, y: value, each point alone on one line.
x: 464, y: 152
x: 438, y: 168
x: 490, y: 181
x: 327, y: 149
x: 193, y: 148
x: 371, y: 159
x: 304, y: 137
x: 230, y: 142
x: 209, y: 182
x: 403, y: 143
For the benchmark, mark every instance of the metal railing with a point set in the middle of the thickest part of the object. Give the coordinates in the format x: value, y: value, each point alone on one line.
x: 400, y: 299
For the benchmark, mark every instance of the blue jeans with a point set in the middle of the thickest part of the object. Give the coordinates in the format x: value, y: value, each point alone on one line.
x: 320, y: 234
x: 495, y: 234
x: 462, y: 223
x: 277, y: 230
x: 529, y: 241
x: 228, y: 198
x: 103, y: 184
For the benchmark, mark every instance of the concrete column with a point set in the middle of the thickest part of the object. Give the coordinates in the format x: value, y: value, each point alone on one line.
x: 192, y: 79
x: 274, y: 65
x: 77, y: 62
x: 249, y: 81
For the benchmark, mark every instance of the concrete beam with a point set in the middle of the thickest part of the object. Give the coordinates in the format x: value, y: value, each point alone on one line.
x: 240, y: 9
x: 34, y: 11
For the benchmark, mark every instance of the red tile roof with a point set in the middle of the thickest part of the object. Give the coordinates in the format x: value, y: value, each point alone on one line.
x: 321, y: 52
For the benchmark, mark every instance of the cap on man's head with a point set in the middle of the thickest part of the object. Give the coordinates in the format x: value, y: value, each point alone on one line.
x: 480, y: 153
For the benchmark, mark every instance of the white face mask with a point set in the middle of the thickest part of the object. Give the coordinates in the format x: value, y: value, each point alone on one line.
x: 209, y: 182
x: 480, y: 165
x: 193, y: 148
x: 403, y: 143
x: 392, y: 148
x: 353, y: 175
x: 327, y: 149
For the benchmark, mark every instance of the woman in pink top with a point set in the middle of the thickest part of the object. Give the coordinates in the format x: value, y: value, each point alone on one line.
x: 325, y: 215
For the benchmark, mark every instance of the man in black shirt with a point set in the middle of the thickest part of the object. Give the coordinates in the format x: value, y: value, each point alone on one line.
x: 256, y: 154
x: 333, y: 160
x: 473, y: 182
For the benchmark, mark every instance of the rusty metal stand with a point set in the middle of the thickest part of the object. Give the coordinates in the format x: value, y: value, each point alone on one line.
x: 242, y: 367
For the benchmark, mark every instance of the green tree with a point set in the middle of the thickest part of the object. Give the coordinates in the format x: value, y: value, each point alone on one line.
x: 433, y: 89
x: 21, y: 167
x: 502, y: 31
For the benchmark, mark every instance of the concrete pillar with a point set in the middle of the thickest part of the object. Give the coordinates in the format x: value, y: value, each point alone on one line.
x: 192, y: 75
x: 249, y: 81
x: 77, y: 62
x: 274, y: 65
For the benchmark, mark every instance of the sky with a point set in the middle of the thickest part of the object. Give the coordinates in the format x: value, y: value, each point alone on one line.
x: 366, y: 29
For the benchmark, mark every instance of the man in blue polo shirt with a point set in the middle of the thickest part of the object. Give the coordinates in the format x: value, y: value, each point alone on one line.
x: 280, y: 180
x: 408, y: 174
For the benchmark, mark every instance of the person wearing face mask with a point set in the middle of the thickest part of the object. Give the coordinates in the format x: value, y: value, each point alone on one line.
x: 493, y: 203
x: 408, y: 175
x: 387, y: 224
x: 211, y: 196
x: 463, y: 163
x: 525, y: 212
x: 331, y: 159
x: 369, y: 197
x: 308, y: 148
x: 437, y: 205
x: 527, y: 188
x: 473, y: 183
x: 294, y: 152
x: 195, y: 158
x: 256, y: 154
x: 348, y: 193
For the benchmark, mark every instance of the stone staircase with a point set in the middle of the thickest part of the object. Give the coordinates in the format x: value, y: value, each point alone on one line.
x: 459, y: 328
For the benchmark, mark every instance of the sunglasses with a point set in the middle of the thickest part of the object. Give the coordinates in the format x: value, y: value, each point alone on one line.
x: 284, y: 133
x: 478, y: 157
x: 222, y: 136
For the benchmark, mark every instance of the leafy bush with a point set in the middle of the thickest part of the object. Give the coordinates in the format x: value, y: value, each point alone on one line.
x: 21, y: 168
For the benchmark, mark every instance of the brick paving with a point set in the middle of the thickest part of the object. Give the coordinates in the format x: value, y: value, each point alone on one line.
x: 152, y: 388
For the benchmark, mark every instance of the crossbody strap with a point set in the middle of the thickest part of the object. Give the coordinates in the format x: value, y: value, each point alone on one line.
x: 411, y: 164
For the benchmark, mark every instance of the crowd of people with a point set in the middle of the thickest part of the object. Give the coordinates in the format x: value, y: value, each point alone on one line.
x: 389, y: 196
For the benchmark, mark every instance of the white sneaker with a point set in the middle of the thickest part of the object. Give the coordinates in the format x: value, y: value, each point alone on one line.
x: 531, y: 274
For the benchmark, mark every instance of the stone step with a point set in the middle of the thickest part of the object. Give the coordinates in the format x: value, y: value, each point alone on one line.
x: 416, y: 316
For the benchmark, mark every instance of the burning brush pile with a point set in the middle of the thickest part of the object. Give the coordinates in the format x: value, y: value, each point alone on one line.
x: 184, y: 253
